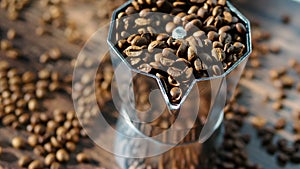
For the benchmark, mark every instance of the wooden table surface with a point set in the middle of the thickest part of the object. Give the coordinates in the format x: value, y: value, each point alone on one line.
x: 268, y: 12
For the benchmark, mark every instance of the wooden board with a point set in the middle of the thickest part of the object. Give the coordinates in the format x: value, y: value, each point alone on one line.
x: 268, y: 12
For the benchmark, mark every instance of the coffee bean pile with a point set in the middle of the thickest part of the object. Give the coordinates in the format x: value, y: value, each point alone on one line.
x: 14, y: 8
x: 214, y: 35
x: 52, y: 136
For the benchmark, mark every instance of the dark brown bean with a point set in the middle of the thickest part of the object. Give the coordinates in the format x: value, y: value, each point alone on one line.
x: 82, y: 158
x: 36, y: 164
x: 18, y: 142
x: 176, y: 94
x: 24, y: 161
x: 62, y: 155
x: 240, y: 28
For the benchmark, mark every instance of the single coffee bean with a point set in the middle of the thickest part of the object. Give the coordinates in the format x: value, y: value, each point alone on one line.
x: 227, y: 17
x: 144, y: 12
x: 181, y: 52
x: 55, y: 165
x: 176, y: 94
x: 166, y: 62
x: 62, y: 155
x: 191, y: 53
x: 216, y: 70
x: 175, y: 72
x: 145, y: 68
x: 202, y: 12
x: 133, y: 51
x: 173, y: 82
x: 36, y: 164
x: 282, y: 158
x: 39, y: 150
x: 218, y: 54
x: 224, y: 29
x: 156, y: 44
x: 193, y: 10
x: 49, y: 159
x: 55, y: 53
x: 24, y: 161
x: 271, y: 149
x: 82, y: 158
x: 18, y: 142
x: 170, y: 27
x: 11, y: 34
x: 280, y: 124
x: 240, y: 28
x: 32, y: 140
x: 1, y: 150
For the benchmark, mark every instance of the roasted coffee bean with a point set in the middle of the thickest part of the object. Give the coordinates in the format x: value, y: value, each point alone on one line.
x: 282, y: 143
x: 156, y: 44
x: 181, y: 52
x: 191, y: 53
x: 218, y: 54
x: 166, y: 62
x: 212, y: 35
x: 271, y: 149
x: 258, y: 122
x: 62, y: 155
x: 39, y: 150
x: 175, y: 72
x: 145, y: 68
x: 82, y: 158
x: 176, y: 94
x: 240, y: 28
x: 168, y: 53
x: 282, y: 158
x: 49, y: 159
x: 162, y: 37
x: 55, y: 165
x: 13, y: 53
x: 216, y: 70
x: 133, y: 51
x: 224, y: 29
x: 32, y: 140
x: 195, y: 25
x: 36, y: 164
x: 285, y: 19
x: 227, y: 17
x: 55, y: 53
x: 173, y: 82
x: 70, y: 146
x: 144, y: 12
x: 202, y: 12
x: 193, y: 10
x: 24, y: 161
x: 11, y: 34
x: 280, y: 124
x: 164, y: 5
x: 18, y: 142
x: 170, y: 27
x: 1, y: 150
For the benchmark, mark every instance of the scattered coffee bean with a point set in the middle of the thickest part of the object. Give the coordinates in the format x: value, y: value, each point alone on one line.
x: 49, y: 159
x: 285, y: 19
x: 24, y: 161
x: 36, y: 164
x: 82, y: 158
x: 18, y: 142
x: 280, y: 124
x: 62, y: 155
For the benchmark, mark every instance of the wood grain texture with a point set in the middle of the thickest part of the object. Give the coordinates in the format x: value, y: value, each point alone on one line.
x: 268, y: 12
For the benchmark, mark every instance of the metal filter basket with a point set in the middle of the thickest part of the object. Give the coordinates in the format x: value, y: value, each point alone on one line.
x: 154, y: 126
